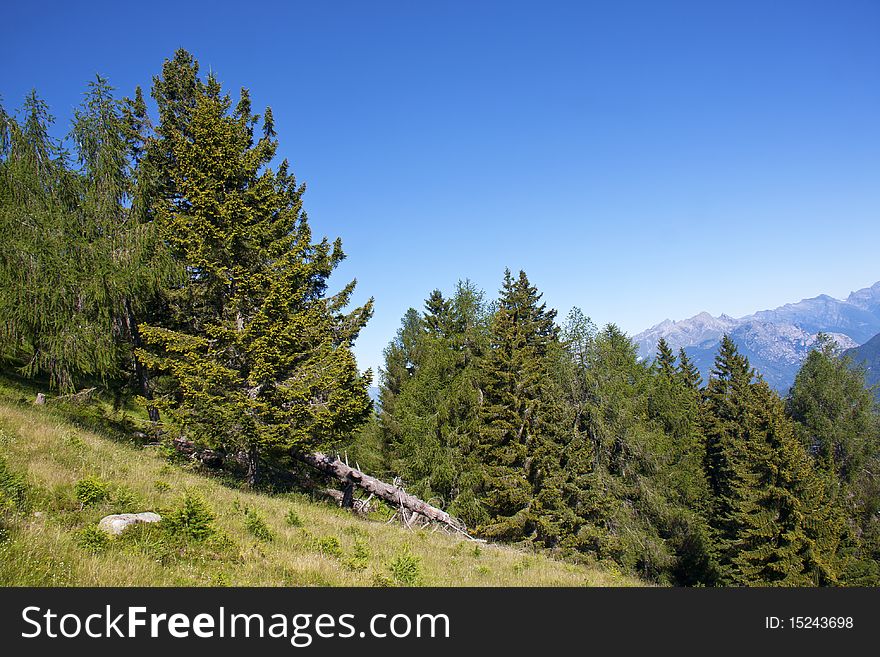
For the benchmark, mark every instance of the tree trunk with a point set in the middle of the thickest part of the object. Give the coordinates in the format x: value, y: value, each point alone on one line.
x: 348, y: 495
x: 391, y: 494
x: 253, y: 467
x: 140, y: 372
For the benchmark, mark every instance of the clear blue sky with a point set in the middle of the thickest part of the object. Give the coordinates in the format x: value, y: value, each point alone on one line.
x: 641, y: 160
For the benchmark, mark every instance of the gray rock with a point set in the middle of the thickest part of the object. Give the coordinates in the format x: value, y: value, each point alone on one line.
x: 119, y: 522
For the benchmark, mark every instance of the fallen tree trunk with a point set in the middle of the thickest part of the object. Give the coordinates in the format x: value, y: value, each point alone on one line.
x: 349, y: 477
x: 392, y: 494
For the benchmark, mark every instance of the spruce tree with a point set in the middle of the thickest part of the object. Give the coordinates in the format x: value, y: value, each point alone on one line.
x: 665, y: 359
x: 688, y: 371
x: 260, y: 355
x: 518, y: 441
x: 773, y: 519
x: 787, y: 528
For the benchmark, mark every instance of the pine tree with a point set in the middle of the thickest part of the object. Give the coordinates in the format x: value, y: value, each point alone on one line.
x: 517, y: 440
x: 773, y: 518
x: 437, y: 313
x: 262, y: 359
x: 665, y: 360
x: 787, y: 528
x: 688, y: 371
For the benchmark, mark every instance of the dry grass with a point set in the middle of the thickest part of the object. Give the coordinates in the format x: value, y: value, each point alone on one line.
x: 43, y: 545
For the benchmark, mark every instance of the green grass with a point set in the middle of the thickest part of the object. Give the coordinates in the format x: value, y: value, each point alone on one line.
x: 212, y: 534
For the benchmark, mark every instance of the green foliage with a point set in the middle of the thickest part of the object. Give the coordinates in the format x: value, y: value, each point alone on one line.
x: 94, y: 540
x: 430, y: 400
x: 191, y: 519
x: 255, y: 524
x: 405, y: 569
x: 836, y: 420
x: 292, y: 519
x: 773, y: 517
x: 519, y: 416
x: 81, y: 258
x: 360, y: 556
x: 13, y: 488
x: 330, y: 546
x: 835, y: 412
x: 260, y: 358
x: 91, y: 490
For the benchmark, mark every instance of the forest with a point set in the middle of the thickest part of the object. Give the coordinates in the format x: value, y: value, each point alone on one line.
x: 168, y: 259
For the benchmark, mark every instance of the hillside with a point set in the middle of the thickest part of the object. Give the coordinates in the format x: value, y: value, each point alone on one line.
x: 257, y: 539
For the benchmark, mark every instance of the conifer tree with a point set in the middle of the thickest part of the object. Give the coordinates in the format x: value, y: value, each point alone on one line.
x: 432, y: 422
x: 787, y: 527
x: 837, y: 421
x: 262, y: 358
x: 518, y: 442
x: 688, y: 371
x: 83, y: 259
x: 835, y: 411
x: 665, y: 359
x: 773, y: 517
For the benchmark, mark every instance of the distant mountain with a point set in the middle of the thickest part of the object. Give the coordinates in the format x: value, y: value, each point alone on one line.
x: 775, y: 341
x: 868, y: 356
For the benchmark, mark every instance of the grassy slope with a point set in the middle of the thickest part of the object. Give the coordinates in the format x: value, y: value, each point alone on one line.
x: 43, y: 546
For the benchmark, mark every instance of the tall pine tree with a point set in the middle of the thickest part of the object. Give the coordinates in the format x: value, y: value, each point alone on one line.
x: 261, y: 356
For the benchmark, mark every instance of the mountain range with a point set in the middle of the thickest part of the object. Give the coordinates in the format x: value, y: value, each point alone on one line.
x: 775, y: 341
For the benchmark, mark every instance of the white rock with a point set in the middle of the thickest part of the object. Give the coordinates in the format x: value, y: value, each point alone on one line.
x: 118, y: 522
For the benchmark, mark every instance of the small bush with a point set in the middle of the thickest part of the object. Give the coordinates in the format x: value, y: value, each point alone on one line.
x: 192, y: 519
x: 257, y: 526
x: 330, y: 546
x: 91, y: 490
x: 293, y: 520
x: 94, y: 540
x: 406, y: 569
x: 125, y: 500
x: 380, y: 579
x: 360, y: 556
x: 162, y: 486
x: 13, y: 489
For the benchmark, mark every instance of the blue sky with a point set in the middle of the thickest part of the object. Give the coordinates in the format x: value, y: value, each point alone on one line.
x: 641, y: 160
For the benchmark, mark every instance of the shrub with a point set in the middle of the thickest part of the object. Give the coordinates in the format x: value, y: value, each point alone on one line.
x: 405, y: 569
x: 125, y: 500
x: 360, y: 556
x: 293, y: 519
x: 257, y: 526
x: 13, y: 489
x: 192, y: 519
x: 91, y: 490
x: 330, y: 546
x: 94, y: 540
